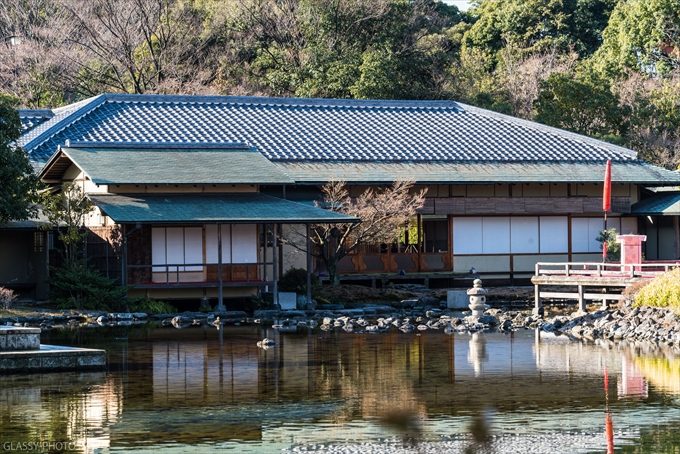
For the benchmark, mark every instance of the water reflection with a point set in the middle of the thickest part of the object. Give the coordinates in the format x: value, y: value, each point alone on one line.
x: 204, y: 387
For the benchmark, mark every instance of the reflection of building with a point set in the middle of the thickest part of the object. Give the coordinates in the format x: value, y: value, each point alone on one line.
x: 632, y: 382
x: 62, y: 407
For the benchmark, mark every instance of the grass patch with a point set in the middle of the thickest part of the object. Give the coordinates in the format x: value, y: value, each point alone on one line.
x: 662, y: 291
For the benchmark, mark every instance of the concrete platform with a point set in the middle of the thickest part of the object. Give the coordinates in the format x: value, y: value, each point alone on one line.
x: 52, y: 358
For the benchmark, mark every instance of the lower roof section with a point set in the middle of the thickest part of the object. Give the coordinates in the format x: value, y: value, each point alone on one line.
x: 663, y: 203
x: 230, y: 208
x: 635, y: 172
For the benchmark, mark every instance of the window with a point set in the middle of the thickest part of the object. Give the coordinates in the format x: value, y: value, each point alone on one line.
x: 524, y: 235
x: 39, y: 241
x: 177, y: 246
x: 510, y: 235
x: 239, y: 243
x: 584, y: 232
x: 435, y: 235
x: 554, y: 234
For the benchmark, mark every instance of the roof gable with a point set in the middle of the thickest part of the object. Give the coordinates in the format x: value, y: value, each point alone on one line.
x: 166, y: 164
x: 318, y: 130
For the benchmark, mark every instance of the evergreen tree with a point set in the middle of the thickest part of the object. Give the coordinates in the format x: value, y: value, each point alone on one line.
x: 18, y: 183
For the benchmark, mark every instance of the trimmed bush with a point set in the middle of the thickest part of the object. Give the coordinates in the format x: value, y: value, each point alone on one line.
x: 662, y: 291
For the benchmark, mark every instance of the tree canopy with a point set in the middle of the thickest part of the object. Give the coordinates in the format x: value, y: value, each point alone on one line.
x: 19, y: 185
x: 606, y: 68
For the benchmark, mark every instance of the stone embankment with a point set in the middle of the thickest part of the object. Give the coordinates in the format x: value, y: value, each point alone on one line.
x: 641, y: 324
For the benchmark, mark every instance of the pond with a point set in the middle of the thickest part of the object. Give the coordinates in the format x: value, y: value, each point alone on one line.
x: 200, y: 389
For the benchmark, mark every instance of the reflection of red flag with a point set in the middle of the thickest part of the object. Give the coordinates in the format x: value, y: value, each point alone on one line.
x: 607, y: 194
x: 609, y: 432
x: 604, y: 249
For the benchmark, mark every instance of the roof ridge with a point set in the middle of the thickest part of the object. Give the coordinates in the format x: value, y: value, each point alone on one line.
x: 284, y: 101
x: 35, y: 112
x: 57, y: 123
x: 141, y: 146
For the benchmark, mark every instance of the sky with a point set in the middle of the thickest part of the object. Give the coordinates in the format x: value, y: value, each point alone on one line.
x: 461, y: 4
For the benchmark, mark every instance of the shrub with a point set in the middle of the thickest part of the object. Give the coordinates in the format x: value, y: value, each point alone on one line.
x: 662, y: 291
x: 613, y: 247
x: 76, y: 286
x: 150, y: 306
x: 295, y: 280
x: 7, y: 297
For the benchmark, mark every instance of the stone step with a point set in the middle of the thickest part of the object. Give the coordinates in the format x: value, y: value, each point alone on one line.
x: 14, y: 339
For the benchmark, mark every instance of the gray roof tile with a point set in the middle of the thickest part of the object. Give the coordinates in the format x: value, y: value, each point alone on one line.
x: 290, y: 129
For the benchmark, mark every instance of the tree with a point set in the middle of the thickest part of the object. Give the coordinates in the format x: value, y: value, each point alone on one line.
x: 538, y: 25
x: 66, y: 211
x: 642, y: 35
x: 18, y: 190
x: 579, y: 104
x: 382, y: 213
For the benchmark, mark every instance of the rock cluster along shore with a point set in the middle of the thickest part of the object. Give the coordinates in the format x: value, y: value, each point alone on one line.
x: 640, y: 324
x: 645, y: 324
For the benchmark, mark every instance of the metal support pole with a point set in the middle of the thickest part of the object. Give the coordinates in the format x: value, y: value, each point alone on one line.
x: 220, y: 292
x: 309, y: 267
x: 275, y: 266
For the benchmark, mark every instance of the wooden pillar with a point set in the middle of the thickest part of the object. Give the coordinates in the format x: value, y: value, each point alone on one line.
x: 309, y: 266
x: 538, y: 305
x: 275, y: 266
x: 419, y: 240
x: 676, y: 230
x: 123, y: 261
x: 264, y: 254
x: 581, y: 300
x: 220, y: 290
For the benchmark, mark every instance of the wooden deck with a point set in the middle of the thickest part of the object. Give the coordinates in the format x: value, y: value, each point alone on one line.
x: 592, y: 281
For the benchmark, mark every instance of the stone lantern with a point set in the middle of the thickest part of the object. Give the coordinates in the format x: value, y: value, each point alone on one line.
x: 477, y: 296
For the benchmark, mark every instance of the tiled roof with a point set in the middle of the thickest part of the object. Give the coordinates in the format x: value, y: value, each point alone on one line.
x: 291, y: 129
x: 31, y: 118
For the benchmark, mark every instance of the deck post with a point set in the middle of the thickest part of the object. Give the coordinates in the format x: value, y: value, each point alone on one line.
x: 264, y: 255
x: 581, y: 300
x: 538, y: 305
x: 275, y: 266
x: 309, y: 267
x: 220, y: 290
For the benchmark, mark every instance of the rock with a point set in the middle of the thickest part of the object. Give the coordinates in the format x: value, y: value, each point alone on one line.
x: 411, y: 302
x: 506, y: 325
x: 488, y: 320
x: 266, y: 343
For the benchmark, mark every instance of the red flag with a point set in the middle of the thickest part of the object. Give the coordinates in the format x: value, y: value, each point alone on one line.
x: 607, y: 194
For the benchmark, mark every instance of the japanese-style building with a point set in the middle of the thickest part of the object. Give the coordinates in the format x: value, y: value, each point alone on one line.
x: 195, y: 186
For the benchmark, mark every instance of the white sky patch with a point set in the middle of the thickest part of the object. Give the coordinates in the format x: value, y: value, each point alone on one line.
x: 463, y: 5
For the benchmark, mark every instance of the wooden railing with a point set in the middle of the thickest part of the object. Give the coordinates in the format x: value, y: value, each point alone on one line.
x: 184, y: 273
x: 592, y: 269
